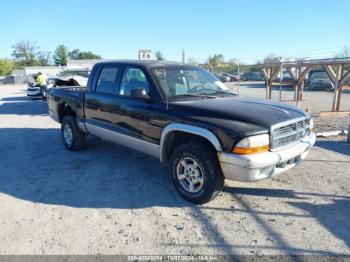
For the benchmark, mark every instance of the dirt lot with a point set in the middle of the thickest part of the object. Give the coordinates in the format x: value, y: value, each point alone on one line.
x: 110, y: 200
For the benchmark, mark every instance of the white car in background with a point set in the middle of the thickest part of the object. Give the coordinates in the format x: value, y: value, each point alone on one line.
x: 81, y: 76
x: 34, y: 91
x: 68, y: 77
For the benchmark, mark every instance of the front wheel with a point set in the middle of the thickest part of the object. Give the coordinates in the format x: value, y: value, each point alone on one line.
x: 196, y: 173
x: 72, y: 137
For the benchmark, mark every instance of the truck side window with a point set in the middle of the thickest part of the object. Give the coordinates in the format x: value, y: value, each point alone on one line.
x: 107, y: 82
x: 133, y: 78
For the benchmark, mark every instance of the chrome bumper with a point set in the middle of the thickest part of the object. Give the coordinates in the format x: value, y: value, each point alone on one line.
x: 247, y: 168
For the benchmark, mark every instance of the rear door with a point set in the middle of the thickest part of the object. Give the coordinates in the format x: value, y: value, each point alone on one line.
x: 101, y: 101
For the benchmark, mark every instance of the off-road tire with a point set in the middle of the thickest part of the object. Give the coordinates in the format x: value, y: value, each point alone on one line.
x: 78, y: 137
x: 206, y: 157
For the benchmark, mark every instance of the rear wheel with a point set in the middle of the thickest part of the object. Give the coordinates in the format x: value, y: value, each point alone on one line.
x: 196, y: 173
x: 72, y: 137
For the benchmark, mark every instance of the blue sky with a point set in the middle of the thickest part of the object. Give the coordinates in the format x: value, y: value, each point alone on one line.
x: 247, y: 30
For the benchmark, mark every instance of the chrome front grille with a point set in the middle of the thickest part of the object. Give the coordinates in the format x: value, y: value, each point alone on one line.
x: 288, y: 133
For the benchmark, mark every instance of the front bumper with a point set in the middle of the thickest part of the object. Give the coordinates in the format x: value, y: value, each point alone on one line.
x: 247, y: 168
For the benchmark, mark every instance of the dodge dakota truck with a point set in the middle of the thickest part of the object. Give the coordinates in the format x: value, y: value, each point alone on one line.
x: 184, y: 116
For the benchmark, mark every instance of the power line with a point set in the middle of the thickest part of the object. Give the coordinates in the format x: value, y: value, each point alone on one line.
x: 329, y: 51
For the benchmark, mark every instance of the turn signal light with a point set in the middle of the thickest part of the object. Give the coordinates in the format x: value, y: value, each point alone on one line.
x: 252, y: 145
x: 250, y: 150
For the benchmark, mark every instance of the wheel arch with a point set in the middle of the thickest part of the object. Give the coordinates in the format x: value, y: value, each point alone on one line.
x: 65, y: 109
x: 199, y: 132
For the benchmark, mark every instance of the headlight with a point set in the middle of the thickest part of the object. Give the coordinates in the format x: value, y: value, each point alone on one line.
x: 252, y: 145
x: 311, y: 124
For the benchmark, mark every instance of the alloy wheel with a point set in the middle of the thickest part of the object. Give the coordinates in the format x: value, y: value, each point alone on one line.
x: 190, y: 174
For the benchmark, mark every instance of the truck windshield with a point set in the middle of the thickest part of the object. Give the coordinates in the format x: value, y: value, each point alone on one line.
x: 186, y: 81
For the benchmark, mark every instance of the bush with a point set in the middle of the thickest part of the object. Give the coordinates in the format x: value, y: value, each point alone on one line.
x: 6, y: 66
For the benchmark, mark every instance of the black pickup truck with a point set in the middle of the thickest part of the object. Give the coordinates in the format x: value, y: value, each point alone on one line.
x: 186, y: 117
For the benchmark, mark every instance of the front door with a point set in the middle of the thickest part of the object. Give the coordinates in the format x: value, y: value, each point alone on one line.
x: 139, y: 117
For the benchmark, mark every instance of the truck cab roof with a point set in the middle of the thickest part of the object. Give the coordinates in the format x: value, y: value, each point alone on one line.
x: 144, y: 63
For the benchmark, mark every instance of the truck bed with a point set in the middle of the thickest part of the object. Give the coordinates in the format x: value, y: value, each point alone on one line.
x: 72, y: 96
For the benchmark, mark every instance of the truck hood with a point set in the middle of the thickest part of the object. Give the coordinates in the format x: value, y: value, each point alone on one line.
x: 259, y: 112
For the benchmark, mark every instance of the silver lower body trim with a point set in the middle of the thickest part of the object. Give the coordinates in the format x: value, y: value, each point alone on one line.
x: 128, y: 141
x: 82, y: 127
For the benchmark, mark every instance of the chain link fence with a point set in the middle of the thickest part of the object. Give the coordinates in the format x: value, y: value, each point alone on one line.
x: 319, y: 88
x: 316, y: 92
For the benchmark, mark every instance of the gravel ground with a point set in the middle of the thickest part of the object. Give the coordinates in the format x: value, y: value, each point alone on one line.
x: 108, y: 199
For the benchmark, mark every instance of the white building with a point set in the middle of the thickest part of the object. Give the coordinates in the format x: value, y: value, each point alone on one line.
x: 145, y: 54
x: 45, y: 70
x: 55, y: 70
x: 83, y: 63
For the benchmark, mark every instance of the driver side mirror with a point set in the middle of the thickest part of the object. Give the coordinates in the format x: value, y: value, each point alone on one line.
x: 140, y: 92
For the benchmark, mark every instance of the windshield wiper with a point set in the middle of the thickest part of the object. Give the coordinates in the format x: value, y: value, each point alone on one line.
x: 190, y: 94
x: 221, y: 92
x: 195, y: 95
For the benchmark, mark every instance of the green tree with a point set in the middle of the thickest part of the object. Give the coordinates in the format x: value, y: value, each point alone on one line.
x: 215, y: 61
x: 159, y: 56
x: 250, y: 68
x: 74, y: 54
x: 231, y: 66
x: 60, y: 56
x: 77, y: 54
x: 6, y: 66
x: 25, y: 53
x: 44, y: 58
x: 271, y: 59
x: 90, y: 55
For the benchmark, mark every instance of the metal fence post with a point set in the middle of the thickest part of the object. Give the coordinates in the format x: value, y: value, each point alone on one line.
x: 300, y: 93
x: 297, y: 88
x: 238, y: 78
x: 268, y: 82
x: 281, y: 77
